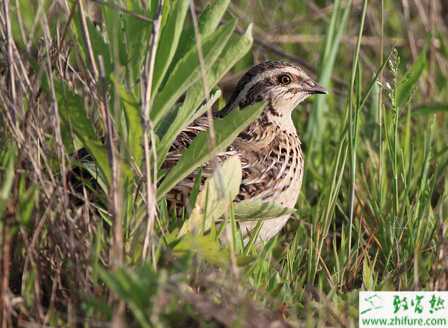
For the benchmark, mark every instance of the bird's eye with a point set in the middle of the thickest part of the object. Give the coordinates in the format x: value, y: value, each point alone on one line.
x: 284, y: 79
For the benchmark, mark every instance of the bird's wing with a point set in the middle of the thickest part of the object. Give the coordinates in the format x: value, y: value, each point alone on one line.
x: 259, y: 160
x: 180, y: 193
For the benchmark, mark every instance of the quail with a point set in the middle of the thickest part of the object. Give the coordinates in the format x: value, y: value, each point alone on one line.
x: 269, y: 148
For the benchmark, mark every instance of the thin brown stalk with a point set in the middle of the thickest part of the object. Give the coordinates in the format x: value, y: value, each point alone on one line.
x: 203, y: 73
x: 115, y: 190
x: 86, y: 37
x: 432, y: 50
x: 24, y: 80
x: 122, y: 9
x: 372, y: 41
x: 9, y: 119
x: 5, y: 306
x: 422, y: 13
x: 211, y: 131
x: 198, y: 42
x: 380, y: 101
x: 147, y: 93
x: 259, y: 41
x: 411, y: 37
x: 64, y: 31
x: 39, y: 12
x: 31, y: 246
x: 9, y: 45
x: 55, y: 117
x: 20, y: 22
x: 116, y: 255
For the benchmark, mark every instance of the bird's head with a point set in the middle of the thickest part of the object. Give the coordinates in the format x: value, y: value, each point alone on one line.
x: 282, y: 85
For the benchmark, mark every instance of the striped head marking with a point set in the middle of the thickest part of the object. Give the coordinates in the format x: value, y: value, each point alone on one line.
x: 281, y: 84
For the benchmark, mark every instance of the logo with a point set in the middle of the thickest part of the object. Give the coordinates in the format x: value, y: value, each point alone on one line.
x: 403, y: 309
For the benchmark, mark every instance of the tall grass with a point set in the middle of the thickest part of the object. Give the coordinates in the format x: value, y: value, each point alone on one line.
x: 93, y: 95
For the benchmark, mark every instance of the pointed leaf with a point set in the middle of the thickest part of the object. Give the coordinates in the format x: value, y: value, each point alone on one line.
x: 431, y: 108
x: 407, y: 83
x: 227, y: 129
x: 205, y: 246
x: 169, y: 39
x: 249, y: 210
x: 235, y: 49
x: 134, y: 124
x: 181, y: 121
x: 187, y: 71
x: 71, y: 109
x: 208, y: 21
x: 216, y: 195
x: 7, y: 165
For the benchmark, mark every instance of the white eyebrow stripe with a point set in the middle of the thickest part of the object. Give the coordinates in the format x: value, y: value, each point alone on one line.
x: 261, y: 77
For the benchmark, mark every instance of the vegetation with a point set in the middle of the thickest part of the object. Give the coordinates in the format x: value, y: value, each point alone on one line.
x: 93, y: 93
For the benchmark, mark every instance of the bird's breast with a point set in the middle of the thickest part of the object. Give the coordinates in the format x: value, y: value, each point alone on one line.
x: 274, y: 169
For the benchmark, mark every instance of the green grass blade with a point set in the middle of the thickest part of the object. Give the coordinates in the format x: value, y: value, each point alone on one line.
x: 134, y: 129
x: 170, y: 35
x: 236, y: 48
x: 258, y: 209
x: 432, y: 108
x: 187, y: 71
x: 72, y: 111
x: 216, y: 195
x: 208, y: 21
x: 317, y: 122
x: 227, y: 129
x: 406, y: 85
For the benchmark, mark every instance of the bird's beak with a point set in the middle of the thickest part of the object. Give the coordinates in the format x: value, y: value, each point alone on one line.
x: 315, y: 88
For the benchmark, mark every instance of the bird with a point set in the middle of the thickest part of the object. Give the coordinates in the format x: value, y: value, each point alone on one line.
x: 269, y: 148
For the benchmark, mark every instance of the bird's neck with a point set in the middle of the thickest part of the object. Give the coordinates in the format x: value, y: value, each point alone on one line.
x: 280, y: 118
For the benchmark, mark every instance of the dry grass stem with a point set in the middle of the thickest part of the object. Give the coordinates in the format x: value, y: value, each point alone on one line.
x: 147, y: 78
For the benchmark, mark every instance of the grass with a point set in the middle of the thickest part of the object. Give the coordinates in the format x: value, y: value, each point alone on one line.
x: 93, y: 93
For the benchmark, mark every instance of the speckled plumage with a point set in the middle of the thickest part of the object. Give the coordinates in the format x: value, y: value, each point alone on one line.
x: 269, y: 149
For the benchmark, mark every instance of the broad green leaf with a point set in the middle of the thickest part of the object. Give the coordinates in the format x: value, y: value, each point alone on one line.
x: 187, y: 71
x: 77, y: 30
x: 208, y: 21
x: 136, y: 38
x: 27, y: 200
x: 182, y: 119
x: 169, y: 39
x: 406, y: 85
x: 211, y: 16
x: 250, y: 210
x: 113, y: 22
x: 235, y: 49
x: 94, y: 172
x: 100, y: 47
x: 134, y: 124
x: 368, y: 276
x: 431, y: 109
x: 205, y: 246
x: 243, y: 260
x: 218, y: 192
x: 199, y: 152
x: 99, y: 152
x: 136, y: 288
x: 7, y: 178
x: 71, y: 109
x: 23, y: 15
